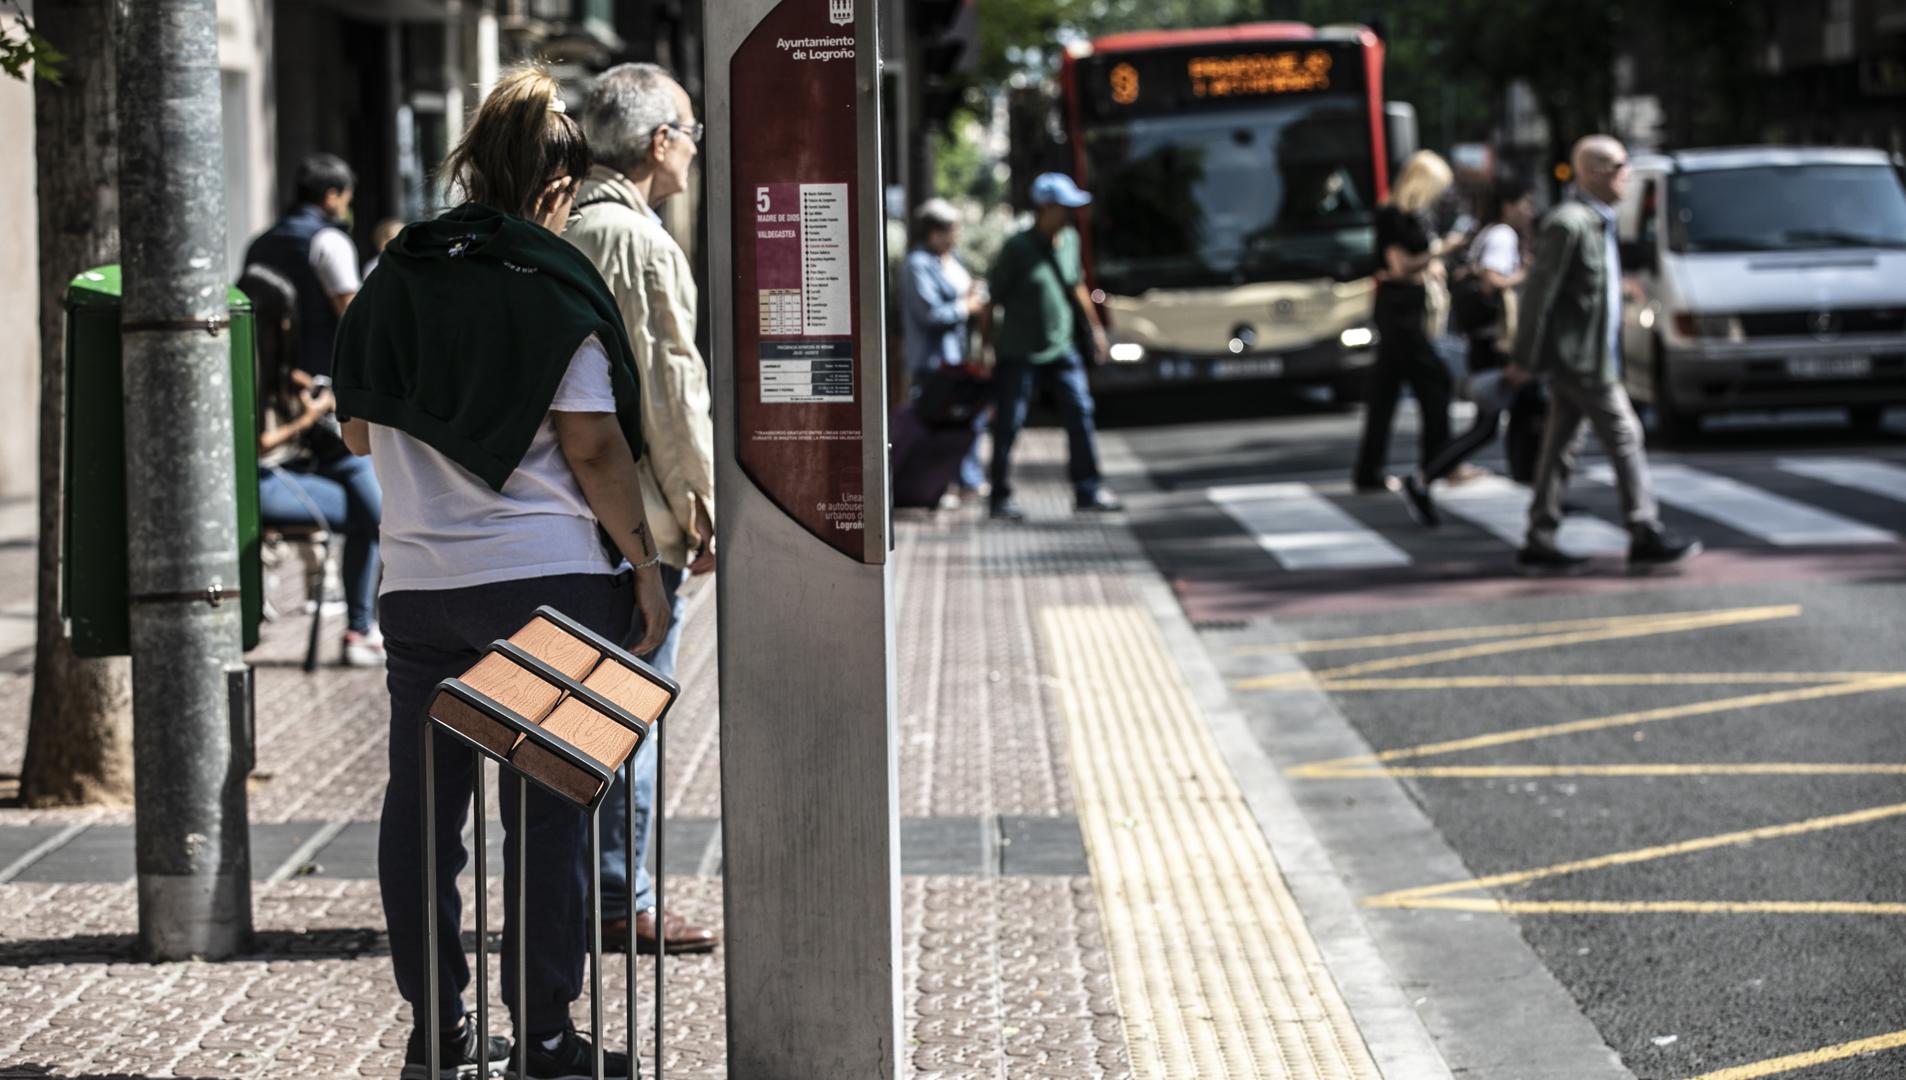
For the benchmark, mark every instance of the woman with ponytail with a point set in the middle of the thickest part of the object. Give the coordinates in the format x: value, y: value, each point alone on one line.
x: 487, y: 373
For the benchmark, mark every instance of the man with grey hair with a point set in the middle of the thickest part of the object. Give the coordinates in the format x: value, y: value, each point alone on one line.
x: 642, y: 130
x: 1570, y: 334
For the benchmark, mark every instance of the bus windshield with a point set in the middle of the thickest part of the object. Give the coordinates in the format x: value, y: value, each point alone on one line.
x: 1273, y: 192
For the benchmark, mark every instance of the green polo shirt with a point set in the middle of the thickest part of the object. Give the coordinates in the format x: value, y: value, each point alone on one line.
x: 1032, y: 282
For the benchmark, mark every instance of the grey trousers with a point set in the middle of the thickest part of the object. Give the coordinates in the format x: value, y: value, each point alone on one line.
x: 1605, y: 409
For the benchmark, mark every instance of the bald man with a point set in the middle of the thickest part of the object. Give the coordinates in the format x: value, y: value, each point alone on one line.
x: 1570, y: 334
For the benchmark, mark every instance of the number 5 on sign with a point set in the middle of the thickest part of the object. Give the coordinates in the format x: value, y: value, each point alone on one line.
x: 761, y: 200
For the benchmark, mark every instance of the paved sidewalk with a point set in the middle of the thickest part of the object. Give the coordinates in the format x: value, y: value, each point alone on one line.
x: 1050, y: 707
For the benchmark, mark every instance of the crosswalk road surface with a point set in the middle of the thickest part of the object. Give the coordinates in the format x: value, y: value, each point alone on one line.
x: 1811, y: 503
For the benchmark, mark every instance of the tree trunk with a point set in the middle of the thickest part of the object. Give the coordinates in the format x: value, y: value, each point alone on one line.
x: 79, y: 737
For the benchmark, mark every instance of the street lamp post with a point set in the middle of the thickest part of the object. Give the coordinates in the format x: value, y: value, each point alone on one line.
x: 190, y: 751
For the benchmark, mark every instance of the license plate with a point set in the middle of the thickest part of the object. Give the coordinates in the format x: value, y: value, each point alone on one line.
x: 1248, y: 367
x: 1830, y: 367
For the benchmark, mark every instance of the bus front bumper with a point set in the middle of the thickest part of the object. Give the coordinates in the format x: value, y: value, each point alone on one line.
x: 1322, y: 362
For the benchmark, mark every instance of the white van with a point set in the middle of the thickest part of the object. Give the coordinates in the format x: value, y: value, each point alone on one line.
x: 1773, y: 278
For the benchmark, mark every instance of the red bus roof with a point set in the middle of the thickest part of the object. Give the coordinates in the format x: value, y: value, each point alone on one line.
x: 1215, y: 35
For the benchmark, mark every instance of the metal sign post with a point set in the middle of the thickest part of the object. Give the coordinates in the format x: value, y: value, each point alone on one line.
x: 810, y: 768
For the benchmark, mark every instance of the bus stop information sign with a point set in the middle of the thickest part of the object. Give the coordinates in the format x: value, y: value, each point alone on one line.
x: 810, y: 766
x: 797, y: 274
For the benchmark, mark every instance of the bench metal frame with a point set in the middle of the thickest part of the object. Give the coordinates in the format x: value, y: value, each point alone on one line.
x: 568, y: 752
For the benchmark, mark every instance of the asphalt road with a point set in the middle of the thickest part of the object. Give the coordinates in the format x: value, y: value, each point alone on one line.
x: 1687, y: 792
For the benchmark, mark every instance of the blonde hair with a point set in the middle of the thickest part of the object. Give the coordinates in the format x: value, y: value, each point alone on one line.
x: 1424, y: 178
x: 521, y: 138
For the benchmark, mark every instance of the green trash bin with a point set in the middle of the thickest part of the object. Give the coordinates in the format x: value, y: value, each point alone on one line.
x: 94, y: 573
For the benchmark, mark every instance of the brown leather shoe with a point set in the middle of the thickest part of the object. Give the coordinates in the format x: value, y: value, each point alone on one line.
x: 682, y: 937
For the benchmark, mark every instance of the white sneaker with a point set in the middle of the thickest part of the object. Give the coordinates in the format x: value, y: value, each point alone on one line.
x: 364, y: 649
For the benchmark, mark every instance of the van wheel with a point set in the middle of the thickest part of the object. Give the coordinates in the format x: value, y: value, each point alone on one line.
x: 1673, y: 426
x: 1866, y: 419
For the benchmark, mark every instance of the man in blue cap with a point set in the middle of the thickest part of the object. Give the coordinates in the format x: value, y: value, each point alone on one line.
x: 1048, y: 332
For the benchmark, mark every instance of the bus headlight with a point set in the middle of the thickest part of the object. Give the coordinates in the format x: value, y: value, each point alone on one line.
x: 1128, y: 352
x: 1357, y: 337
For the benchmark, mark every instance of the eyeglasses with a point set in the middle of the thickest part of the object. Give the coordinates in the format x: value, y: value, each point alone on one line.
x: 693, y: 131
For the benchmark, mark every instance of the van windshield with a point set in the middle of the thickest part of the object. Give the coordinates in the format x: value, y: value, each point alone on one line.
x: 1786, y: 208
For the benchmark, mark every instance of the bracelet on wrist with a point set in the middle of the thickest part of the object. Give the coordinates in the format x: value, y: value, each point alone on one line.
x: 652, y: 560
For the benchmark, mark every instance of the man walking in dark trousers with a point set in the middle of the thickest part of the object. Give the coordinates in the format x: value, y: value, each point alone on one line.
x: 1570, y: 333
x: 1048, y: 333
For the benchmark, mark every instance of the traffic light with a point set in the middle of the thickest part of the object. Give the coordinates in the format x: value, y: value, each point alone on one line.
x: 948, y: 35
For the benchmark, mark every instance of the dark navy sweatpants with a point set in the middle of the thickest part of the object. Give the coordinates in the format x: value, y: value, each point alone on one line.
x: 430, y: 636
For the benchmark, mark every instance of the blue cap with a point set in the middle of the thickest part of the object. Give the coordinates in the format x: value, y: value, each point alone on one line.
x: 1052, y: 187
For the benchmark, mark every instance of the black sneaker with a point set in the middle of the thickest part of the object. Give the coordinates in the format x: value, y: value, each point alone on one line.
x: 1540, y: 561
x: 1655, y: 549
x: 574, y: 1058
x: 1101, y: 502
x: 1008, y: 509
x: 1416, y: 499
x: 458, y: 1056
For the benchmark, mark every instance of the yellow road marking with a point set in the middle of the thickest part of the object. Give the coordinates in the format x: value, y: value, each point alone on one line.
x: 1808, y: 1059
x: 1458, y: 633
x: 1524, y: 772
x: 1671, y: 678
x: 1628, y: 719
x: 1651, y: 907
x: 1705, y: 621
x: 1408, y: 897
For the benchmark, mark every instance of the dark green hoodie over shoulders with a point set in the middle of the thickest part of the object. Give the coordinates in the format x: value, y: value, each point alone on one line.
x: 464, y: 332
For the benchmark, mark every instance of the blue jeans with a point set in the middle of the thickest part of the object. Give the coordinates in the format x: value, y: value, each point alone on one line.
x: 342, y: 496
x: 972, y: 469
x: 615, y: 805
x: 1013, y: 381
x: 429, y: 636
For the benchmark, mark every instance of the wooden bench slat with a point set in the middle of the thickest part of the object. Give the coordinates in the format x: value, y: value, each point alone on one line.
x: 522, y: 692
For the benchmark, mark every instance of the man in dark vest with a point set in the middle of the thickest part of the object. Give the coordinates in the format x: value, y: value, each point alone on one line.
x: 311, y: 249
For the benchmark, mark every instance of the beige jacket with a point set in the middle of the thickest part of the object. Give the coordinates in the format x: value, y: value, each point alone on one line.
x: 655, y: 289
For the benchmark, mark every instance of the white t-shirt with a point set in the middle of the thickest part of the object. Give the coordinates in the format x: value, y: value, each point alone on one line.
x: 1498, y: 248
x: 334, y: 260
x: 445, y: 529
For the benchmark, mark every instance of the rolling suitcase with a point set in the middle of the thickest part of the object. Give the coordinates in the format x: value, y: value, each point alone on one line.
x: 926, y: 460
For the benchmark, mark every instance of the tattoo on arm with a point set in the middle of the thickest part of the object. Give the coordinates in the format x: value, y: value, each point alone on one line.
x: 648, y: 546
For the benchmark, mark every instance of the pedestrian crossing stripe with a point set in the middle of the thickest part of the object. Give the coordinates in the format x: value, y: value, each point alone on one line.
x: 1303, y: 530
x: 1500, y: 506
x: 1303, y: 527
x: 1763, y: 515
x: 1882, y: 478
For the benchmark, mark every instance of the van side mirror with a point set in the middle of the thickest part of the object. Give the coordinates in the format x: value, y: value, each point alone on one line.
x: 1637, y: 255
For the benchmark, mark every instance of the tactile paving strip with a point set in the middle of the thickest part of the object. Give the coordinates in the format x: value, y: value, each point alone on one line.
x: 1215, y: 970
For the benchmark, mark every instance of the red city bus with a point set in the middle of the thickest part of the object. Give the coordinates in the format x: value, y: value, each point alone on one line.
x: 1235, y: 175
